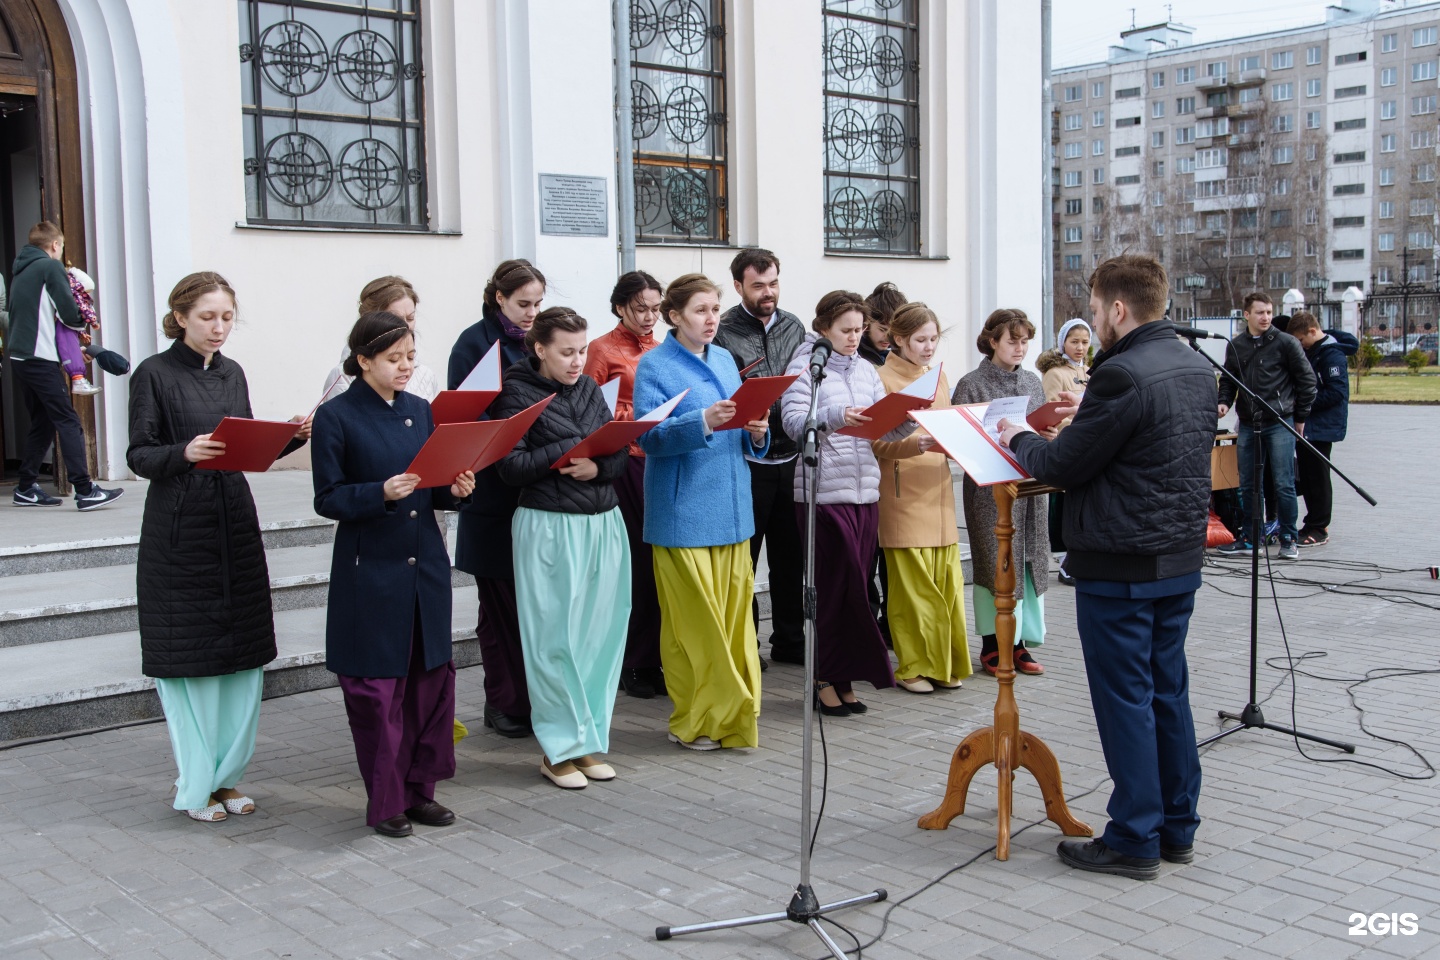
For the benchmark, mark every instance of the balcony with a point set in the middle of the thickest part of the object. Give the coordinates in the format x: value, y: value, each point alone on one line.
x: 1207, y: 113
x: 1212, y: 83
x: 1249, y: 78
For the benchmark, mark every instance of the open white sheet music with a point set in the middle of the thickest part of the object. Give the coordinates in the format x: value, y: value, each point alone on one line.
x: 611, y: 392
x: 486, y: 375
x: 959, y: 432
x: 1005, y: 408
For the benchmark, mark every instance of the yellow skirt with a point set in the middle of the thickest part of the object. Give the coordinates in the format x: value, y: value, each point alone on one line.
x: 707, y: 642
x: 926, y: 609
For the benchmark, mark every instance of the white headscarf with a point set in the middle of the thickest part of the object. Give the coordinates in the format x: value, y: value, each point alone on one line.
x: 1065, y: 332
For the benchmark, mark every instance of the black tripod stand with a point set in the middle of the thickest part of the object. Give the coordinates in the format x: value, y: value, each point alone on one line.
x: 804, y: 907
x: 1250, y: 716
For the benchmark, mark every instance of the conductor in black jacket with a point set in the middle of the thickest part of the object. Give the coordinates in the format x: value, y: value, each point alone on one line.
x: 756, y: 329
x: 1135, y: 463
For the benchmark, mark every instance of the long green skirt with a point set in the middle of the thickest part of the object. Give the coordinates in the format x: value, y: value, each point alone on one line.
x: 1029, y: 613
x: 212, y: 723
x: 707, y: 642
x: 572, y: 592
x: 926, y: 609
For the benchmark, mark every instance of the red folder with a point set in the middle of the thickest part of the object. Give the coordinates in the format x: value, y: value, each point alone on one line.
x: 478, y: 390
x: 754, y: 398
x: 456, y: 447
x: 250, y: 445
x: 617, y: 434
x: 893, y: 409
x: 461, y: 406
x: 1045, y: 417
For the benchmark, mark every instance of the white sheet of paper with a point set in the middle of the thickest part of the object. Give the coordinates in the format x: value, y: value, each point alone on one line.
x: 611, y: 392
x: 927, y: 384
x: 961, y: 438
x: 486, y: 375
x: 1005, y: 408
x: 665, y: 409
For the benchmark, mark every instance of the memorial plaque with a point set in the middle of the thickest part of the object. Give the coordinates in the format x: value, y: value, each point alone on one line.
x: 573, y: 206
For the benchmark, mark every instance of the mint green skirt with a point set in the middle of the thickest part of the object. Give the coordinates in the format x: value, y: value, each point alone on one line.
x: 212, y: 723
x: 572, y: 591
x: 1029, y: 614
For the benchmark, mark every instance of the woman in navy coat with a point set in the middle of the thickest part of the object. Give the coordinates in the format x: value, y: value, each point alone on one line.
x: 482, y: 540
x: 387, y: 629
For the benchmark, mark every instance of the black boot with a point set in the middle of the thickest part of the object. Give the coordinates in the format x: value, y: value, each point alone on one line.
x: 635, y: 683
x: 506, y: 725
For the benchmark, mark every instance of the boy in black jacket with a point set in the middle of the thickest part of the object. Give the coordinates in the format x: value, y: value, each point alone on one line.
x: 1327, y: 352
x: 39, y: 295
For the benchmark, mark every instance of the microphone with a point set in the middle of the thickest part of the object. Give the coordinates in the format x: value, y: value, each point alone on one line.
x: 819, y: 356
x: 1190, y: 333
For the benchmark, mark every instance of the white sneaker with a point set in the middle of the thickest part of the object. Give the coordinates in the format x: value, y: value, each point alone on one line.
x: 699, y: 743
x: 83, y: 388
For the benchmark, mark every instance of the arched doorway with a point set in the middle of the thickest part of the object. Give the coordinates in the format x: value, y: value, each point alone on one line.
x: 40, y: 165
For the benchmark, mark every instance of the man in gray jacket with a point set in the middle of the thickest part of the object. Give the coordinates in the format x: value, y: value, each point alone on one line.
x: 756, y: 329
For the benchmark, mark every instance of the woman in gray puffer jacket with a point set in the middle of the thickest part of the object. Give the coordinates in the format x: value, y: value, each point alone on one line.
x: 848, y: 645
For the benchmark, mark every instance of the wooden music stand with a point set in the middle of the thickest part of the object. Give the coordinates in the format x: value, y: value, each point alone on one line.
x: 1005, y: 744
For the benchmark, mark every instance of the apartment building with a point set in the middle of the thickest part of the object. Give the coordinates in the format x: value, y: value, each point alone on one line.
x: 1302, y: 159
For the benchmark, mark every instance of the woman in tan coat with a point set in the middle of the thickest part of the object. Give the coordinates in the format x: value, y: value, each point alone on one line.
x: 917, y: 525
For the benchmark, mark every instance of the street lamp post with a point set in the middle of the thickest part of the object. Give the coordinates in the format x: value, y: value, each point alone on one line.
x: 1193, y: 282
x: 1319, y: 285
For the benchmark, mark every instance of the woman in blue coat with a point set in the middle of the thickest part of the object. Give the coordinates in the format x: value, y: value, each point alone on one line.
x: 387, y: 627
x: 482, y: 540
x: 698, y: 518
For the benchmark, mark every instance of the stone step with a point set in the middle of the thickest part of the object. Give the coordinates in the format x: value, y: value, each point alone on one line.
x: 26, y: 559
x: 62, y: 686
x: 41, y: 607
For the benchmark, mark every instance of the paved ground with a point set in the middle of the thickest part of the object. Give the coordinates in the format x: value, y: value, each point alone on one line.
x: 95, y: 864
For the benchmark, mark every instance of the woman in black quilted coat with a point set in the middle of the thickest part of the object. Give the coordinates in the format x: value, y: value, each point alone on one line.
x: 206, y: 629
x: 572, y: 556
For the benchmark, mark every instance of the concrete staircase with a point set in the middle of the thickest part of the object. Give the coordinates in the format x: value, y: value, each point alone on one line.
x: 69, y: 640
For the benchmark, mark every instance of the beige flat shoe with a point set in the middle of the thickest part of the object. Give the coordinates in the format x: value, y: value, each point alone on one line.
x: 594, y: 769
x: 915, y: 685
x: 951, y: 684
x: 563, y: 775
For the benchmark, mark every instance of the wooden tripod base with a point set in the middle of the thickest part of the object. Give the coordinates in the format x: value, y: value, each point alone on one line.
x: 1005, y: 744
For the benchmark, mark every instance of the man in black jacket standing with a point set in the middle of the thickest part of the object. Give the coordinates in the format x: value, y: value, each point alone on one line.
x: 1272, y: 364
x: 1135, y: 467
x: 757, y: 329
x: 39, y: 297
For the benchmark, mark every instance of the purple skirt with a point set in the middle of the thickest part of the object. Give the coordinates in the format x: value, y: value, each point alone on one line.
x: 848, y: 645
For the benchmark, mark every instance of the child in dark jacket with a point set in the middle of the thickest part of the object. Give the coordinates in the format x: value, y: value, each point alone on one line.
x: 1327, y: 351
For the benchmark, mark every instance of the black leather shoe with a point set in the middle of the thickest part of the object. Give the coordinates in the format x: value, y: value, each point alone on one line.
x: 637, y: 685
x: 431, y: 814
x: 395, y: 827
x: 657, y: 680
x: 506, y: 725
x: 1173, y: 853
x: 1096, y: 857
x: 764, y: 665
x: 795, y: 655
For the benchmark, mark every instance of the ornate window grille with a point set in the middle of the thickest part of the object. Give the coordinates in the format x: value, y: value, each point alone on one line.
x: 333, y: 113
x: 677, y: 92
x: 872, y: 124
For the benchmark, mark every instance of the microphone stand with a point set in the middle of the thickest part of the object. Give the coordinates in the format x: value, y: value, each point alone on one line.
x: 1250, y: 716
x: 804, y: 908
